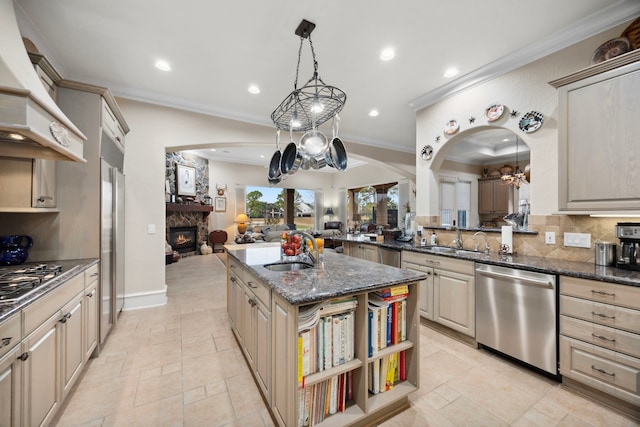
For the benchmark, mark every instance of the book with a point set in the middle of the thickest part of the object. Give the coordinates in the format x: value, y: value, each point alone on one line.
x: 375, y: 330
x: 393, y: 291
x: 328, y: 342
x: 403, y: 321
x: 402, y: 374
x: 382, y: 378
x: 383, y: 327
x: 337, y: 340
x: 394, y: 323
x: 389, y: 324
x: 307, y: 406
x: 306, y: 353
x: 349, y: 337
x: 300, y: 351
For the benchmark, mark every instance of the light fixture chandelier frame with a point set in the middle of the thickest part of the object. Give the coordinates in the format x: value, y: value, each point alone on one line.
x: 517, y: 177
x: 314, y: 103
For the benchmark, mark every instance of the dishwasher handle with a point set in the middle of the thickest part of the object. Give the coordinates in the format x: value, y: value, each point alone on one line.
x: 529, y: 280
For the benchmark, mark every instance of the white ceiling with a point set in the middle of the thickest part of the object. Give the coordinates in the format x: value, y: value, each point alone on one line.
x: 218, y: 48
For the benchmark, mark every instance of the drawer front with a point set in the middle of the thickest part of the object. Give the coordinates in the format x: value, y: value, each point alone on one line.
x: 91, y: 274
x: 259, y: 289
x: 605, y: 370
x: 603, y: 336
x: 236, y: 268
x: 610, y: 293
x: 10, y: 333
x: 35, y: 314
x: 603, y: 314
x: 441, y: 262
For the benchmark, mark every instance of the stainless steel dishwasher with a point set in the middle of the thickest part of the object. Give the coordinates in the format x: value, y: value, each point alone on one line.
x: 389, y: 256
x: 516, y: 314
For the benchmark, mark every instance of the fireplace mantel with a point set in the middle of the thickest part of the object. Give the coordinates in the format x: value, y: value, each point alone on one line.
x: 178, y: 207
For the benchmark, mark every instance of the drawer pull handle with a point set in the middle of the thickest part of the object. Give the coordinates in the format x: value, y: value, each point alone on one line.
x: 603, y: 315
x: 600, y: 337
x: 5, y: 342
x: 94, y: 275
x: 603, y: 293
x: 91, y: 294
x: 602, y: 371
x: 252, y: 285
x: 233, y: 279
x: 65, y: 318
x: 24, y: 356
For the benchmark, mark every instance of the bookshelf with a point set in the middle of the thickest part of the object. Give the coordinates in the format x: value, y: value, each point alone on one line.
x: 364, y: 407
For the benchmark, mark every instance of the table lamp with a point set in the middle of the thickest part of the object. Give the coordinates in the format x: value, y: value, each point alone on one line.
x: 330, y: 213
x: 242, y: 220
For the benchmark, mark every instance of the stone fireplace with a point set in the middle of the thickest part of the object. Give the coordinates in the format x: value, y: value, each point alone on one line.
x: 183, y: 239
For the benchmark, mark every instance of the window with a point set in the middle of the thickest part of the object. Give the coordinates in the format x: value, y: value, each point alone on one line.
x: 266, y: 206
x: 455, y: 202
x: 376, y: 204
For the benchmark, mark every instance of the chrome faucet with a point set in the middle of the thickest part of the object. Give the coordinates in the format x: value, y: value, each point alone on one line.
x: 457, y: 242
x: 486, y: 244
x: 313, y: 255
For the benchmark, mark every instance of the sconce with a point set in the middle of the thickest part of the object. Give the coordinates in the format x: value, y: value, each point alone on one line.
x: 242, y: 220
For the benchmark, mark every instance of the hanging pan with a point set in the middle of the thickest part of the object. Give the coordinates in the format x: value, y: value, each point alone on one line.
x: 291, y: 158
x: 274, y: 165
x: 337, y: 154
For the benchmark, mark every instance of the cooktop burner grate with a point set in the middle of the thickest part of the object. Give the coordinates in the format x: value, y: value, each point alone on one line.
x: 17, y: 282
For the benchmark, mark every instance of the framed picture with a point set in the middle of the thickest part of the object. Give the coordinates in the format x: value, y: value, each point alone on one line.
x: 221, y: 204
x: 185, y: 180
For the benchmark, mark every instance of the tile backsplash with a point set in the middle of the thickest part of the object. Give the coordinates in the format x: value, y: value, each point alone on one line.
x: 601, y: 230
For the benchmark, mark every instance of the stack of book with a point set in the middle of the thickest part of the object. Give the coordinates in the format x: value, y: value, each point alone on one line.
x: 387, y: 318
x: 387, y: 371
x: 326, y: 336
x: 325, y: 398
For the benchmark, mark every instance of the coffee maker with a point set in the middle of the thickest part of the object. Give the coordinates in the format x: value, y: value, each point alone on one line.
x: 629, y: 254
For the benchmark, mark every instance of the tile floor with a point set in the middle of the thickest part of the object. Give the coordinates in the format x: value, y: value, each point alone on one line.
x: 179, y: 365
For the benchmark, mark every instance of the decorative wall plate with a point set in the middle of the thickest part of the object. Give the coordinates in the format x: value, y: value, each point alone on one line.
x: 451, y: 127
x: 531, y: 122
x: 494, y: 112
x: 427, y: 152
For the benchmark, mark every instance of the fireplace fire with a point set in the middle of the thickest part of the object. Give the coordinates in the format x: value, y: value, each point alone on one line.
x: 183, y: 239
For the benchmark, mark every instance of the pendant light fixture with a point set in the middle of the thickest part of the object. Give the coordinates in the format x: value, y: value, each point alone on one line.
x: 516, y: 178
x: 303, y: 110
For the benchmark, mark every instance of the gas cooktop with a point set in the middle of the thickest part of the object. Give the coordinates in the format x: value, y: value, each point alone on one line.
x: 18, y: 282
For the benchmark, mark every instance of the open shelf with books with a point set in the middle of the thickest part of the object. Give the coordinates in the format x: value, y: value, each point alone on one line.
x: 315, y: 385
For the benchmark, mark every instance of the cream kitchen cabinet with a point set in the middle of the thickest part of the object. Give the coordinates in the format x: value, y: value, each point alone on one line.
x: 27, y: 185
x: 250, y: 312
x: 598, y: 109
x: 600, y: 338
x: 450, y: 287
x: 493, y: 196
x: 362, y: 251
x: 91, y: 310
x: 10, y: 372
x: 43, y: 349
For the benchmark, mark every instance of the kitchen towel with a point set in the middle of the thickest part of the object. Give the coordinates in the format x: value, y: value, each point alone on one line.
x: 507, y: 238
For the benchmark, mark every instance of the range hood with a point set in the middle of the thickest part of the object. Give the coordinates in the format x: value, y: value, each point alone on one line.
x: 31, y: 124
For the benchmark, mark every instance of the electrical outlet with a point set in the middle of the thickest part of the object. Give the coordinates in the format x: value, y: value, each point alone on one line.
x: 151, y: 229
x: 577, y: 240
x: 550, y: 237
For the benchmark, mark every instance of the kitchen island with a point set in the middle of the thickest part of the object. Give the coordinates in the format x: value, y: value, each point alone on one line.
x: 265, y: 307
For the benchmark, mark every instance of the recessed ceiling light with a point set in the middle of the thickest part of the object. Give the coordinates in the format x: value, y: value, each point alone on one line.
x: 387, y: 54
x: 262, y: 156
x: 16, y: 136
x: 374, y: 113
x: 451, y: 72
x: 213, y: 149
x: 254, y: 89
x: 163, y: 65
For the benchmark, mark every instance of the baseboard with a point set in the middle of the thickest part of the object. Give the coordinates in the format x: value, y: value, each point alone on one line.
x: 145, y: 300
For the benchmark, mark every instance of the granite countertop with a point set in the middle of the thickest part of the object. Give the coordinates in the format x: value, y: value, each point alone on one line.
x: 582, y: 270
x: 337, y: 276
x: 70, y: 268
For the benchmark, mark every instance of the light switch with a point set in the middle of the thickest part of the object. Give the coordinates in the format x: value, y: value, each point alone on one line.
x: 550, y: 237
x: 151, y: 229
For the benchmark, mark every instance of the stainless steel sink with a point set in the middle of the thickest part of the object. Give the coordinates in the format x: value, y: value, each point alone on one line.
x: 288, y: 266
x: 441, y: 249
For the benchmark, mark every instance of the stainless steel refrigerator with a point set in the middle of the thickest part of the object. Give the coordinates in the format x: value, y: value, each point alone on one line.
x: 111, y: 242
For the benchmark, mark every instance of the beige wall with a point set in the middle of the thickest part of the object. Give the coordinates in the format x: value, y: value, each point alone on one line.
x: 524, y: 89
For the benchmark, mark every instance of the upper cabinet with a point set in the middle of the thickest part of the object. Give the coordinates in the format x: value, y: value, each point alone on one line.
x: 493, y: 196
x: 598, y: 137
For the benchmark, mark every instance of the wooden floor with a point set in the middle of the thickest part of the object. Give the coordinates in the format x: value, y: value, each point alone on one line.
x: 179, y: 365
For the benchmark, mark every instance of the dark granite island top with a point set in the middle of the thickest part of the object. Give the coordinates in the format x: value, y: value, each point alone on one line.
x: 337, y: 276
x: 582, y: 270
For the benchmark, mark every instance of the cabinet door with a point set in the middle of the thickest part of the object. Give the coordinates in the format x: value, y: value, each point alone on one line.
x: 501, y: 197
x: 454, y: 301
x: 248, y: 322
x: 285, y: 363
x: 485, y: 197
x: 41, y: 393
x: 10, y: 392
x: 92, y: 307
x: 426, y: 289
x: 232, y: 305
x: 71, y: 336
x: 369, y: 253
x: 263, y: 349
